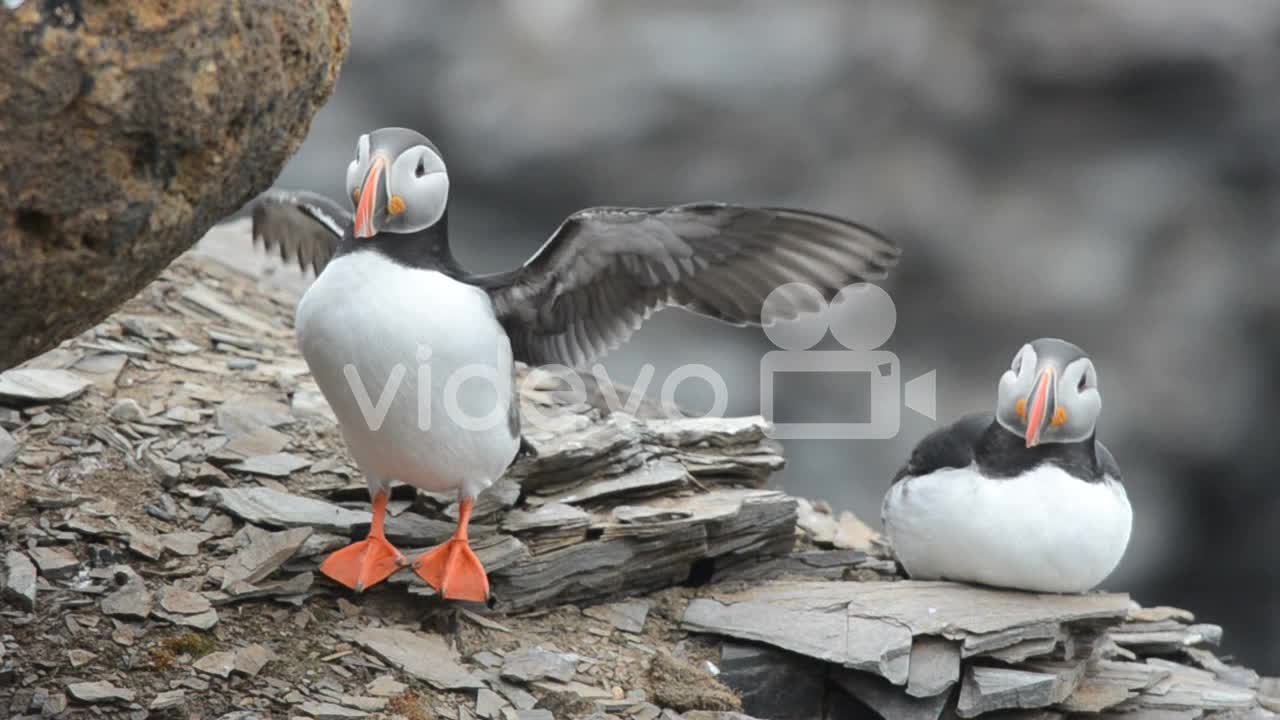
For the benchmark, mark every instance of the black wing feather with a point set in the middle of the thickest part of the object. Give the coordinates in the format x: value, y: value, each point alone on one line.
x: 1107, y: 462
x: 607, y: 269
x: 304, y: 227
x: 948, y: 447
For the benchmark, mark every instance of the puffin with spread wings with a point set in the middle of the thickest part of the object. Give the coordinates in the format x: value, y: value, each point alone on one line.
x: 396, y: 333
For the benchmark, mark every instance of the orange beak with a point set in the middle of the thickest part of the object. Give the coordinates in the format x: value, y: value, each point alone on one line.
x: 369, y: 199
x: 1039, y: 412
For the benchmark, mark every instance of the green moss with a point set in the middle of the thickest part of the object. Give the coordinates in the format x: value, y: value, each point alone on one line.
x: 194, y: 644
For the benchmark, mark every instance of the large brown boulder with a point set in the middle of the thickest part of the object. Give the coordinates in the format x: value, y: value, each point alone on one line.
x: 128, y: 128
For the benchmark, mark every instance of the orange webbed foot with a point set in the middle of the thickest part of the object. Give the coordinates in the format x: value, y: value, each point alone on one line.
x: 454, y: 570
x: 364, y: 564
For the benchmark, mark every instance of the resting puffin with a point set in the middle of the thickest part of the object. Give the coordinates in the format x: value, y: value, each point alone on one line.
x: 1027, y: 499
x: 396, y: 333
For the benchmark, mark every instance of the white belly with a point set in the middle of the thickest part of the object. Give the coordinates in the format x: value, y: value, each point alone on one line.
x: 1044, y: 531
x: 417, y: 370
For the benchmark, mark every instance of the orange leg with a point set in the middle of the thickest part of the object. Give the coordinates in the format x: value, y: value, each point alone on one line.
x: 366, y: 563
x: 452, y: 568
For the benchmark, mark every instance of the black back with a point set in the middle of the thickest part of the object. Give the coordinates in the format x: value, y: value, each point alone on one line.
x: 999, y: 453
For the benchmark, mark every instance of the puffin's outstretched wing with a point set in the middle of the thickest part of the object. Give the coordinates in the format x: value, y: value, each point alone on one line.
x: 302, y: 226
x: 607, y: 269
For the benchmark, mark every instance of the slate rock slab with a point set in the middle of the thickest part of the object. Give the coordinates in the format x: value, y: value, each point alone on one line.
x: 248, y: 660
x: 132, y: 601
x: 423, y: 655
x: 99, y: 691
x: 216, y: 663
x: 264, y: 554
x: 40, y: 385
x: 870, y: 626
x: 20, y: 580
x: 625, y: 616
x: 262, y: 441
x: 263, y: 506
x: 79, y: 657
x: 251, y: 659
x: 528, y: 664
x: 8, y: 447
x: 1109, y: 683
x: 200, y: 621
x: 55, y: 563
x: 236, y: 418
x: 167, y: 700
x: 330, y: 711
x: 934, y: 666
x: 184, y: 602
x: 385, y: 686
x: 280, y: 464
x: 186, y: 544
x: 553, y: 516
x: 987, y: 689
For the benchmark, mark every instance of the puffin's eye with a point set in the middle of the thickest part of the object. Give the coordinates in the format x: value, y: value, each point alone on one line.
x: 1083, y: 384
x: 422, y: 167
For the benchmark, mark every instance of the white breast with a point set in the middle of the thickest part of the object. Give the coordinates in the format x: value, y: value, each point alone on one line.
x: 416, y: 368
x: 1044, y: 531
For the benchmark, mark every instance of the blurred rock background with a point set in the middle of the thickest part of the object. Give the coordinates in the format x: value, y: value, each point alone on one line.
x: 1104, y: 172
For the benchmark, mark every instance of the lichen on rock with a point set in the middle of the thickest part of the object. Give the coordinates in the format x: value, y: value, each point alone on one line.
x: 128, y: 129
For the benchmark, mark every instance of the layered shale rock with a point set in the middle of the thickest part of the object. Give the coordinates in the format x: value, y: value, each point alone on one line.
x: 172, y: 484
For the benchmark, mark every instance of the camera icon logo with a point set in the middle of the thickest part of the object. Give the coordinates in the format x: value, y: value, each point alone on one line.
x: 861, y: 317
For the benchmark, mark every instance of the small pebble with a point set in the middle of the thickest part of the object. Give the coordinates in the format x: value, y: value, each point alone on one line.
x: 125, y: 410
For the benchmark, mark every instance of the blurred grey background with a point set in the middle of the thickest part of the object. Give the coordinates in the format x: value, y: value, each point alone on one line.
x: 1104, y: 172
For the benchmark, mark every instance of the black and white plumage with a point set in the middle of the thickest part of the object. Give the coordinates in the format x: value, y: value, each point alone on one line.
x: 605, y: 270
x: 390, y: 294
x: 1026, y: 498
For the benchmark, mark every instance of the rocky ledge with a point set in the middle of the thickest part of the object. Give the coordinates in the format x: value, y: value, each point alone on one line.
x: 171, y: 479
